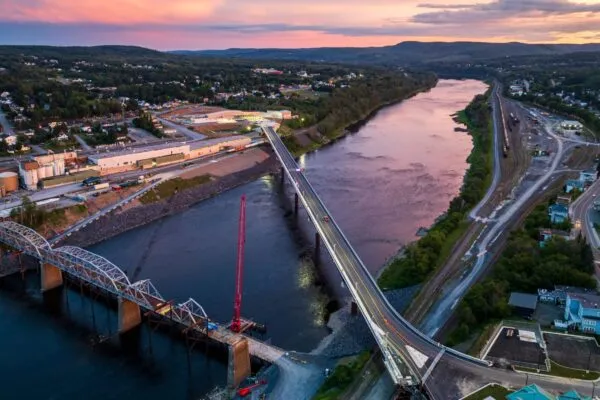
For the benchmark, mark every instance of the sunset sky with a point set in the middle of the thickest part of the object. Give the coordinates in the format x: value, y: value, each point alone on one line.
x: 217, y: 24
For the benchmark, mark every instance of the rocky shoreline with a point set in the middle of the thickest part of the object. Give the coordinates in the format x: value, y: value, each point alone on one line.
x: 130, y: 218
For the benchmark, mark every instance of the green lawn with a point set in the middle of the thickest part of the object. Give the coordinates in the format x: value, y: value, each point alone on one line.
x: 565, y: 372
x: 172, y: 186
x: 343, y: 375
x: 496, y: 391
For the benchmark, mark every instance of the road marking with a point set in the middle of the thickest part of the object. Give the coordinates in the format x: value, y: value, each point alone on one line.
x: 433, y: 364
x: 419, y: 358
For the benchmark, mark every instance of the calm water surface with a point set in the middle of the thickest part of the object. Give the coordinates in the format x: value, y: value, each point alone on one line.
x: 396, y: 174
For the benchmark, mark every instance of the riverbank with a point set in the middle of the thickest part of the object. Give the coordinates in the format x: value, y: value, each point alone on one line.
x: 307, y: 140
x: 138, y: 214
x: 424, y: 256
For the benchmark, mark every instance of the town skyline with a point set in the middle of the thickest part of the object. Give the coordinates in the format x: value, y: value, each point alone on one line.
x: 220, y: 24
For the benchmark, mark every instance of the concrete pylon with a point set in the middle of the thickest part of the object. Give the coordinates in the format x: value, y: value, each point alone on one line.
x: 130, y: 315
x: 239, y: 367
x: 51, y: 277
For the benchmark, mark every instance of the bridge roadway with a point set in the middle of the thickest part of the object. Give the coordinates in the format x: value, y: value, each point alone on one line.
x: 410, y: 356
x: 100, y: 273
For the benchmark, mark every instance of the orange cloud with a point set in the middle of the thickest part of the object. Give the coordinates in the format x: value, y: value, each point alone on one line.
x: 108, y: 11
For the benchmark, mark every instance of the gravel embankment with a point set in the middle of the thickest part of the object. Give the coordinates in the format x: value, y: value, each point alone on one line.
x: 350, y: 334
x: 121, y: 221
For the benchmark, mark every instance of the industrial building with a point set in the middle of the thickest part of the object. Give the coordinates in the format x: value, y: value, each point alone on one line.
x: 42, y: 167
x: 9, y: 182
x: 163, y: 154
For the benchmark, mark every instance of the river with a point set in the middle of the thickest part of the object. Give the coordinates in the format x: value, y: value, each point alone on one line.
x: 397, y: 173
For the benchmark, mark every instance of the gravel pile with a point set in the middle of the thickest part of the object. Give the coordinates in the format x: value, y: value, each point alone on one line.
x: 121, y: 221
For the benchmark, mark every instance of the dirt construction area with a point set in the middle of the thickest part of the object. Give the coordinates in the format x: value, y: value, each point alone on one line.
x: 235, y: 163
x: 573, y: 351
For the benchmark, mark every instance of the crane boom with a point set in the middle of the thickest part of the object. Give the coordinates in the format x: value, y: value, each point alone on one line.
x: 236, y: 325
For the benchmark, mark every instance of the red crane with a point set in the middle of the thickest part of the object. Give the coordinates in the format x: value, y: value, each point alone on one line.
x: 236, y: 324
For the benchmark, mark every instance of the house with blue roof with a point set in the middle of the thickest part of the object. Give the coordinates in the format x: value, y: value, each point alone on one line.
x: 582, y: 312
x: 573, y: 395
x: 558, y: 213
x: 534, y: 392
x: 588, y: 176
x: 531, y: 392
x: 574, y: 184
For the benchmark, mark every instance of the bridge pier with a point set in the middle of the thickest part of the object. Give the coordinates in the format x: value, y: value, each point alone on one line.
x: 239, y: 366
x: 317, y: 248
x: 282, y: 175
x: 51, y: 276
x: 295, y: 203
x: 130, y: 315
x: 353, y: 308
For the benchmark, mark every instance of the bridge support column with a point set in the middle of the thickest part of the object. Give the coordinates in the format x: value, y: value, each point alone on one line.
x: 239, y: 362
x: 282, y: 175
x: 353, y: 308
x: 51, y: 277
x: 317, y: 248
x: 296, y: 203
x: 130, y: 315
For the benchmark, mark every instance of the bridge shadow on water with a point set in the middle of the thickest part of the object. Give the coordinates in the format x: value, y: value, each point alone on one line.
x: 315, y: 259
x: 157, y: 353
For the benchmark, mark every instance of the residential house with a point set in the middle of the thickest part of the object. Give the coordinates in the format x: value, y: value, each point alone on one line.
x: 534, y: 392
x: 573, y: 395
x: 523, y: 304
x: 559, y: 294
x: 588, y: 176
x: 574, y: 184
x: 564, y: 200
x: 582, y: 313
x: 547, y: 234
x: 558, y: 213
x: 10, y: 140
x: 531, y: 392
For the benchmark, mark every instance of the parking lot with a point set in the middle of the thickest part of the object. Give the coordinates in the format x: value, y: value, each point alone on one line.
x: 516, y: 351
x: 573, y: 351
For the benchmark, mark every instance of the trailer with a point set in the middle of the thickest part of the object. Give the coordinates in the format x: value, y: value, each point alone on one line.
x: 103, y: 185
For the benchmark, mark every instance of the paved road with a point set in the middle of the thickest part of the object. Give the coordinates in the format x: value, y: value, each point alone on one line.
x: 499, y: 131
x: 580, y: 213
x: 8, y: 128
x: 83, y: 144
x: 182, y: 130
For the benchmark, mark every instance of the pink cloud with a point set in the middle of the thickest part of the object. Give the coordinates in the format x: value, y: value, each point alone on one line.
x: 107, y: 11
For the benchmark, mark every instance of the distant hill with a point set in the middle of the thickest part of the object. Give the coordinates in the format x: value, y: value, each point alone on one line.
x: 405, y: 53
x: 112, y: 51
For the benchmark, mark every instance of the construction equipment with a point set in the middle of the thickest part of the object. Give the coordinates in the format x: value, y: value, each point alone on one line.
x: 236, y: 324
x: 243, y: 392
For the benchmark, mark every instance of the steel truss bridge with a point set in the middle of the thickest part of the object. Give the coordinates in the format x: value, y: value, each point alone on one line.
x: 100, y: 273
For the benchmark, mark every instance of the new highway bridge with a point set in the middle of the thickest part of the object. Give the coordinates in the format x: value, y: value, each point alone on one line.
x: 412, y: 358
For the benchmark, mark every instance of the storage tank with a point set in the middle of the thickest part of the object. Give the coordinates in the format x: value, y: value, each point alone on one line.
x: 41, y: 172
x: 49, y: 169
x: 10, y: 181
x: 30, y: 178
x: 59, y: 167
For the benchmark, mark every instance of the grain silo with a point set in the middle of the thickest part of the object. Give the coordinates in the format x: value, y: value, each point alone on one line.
x: 10, y: 181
